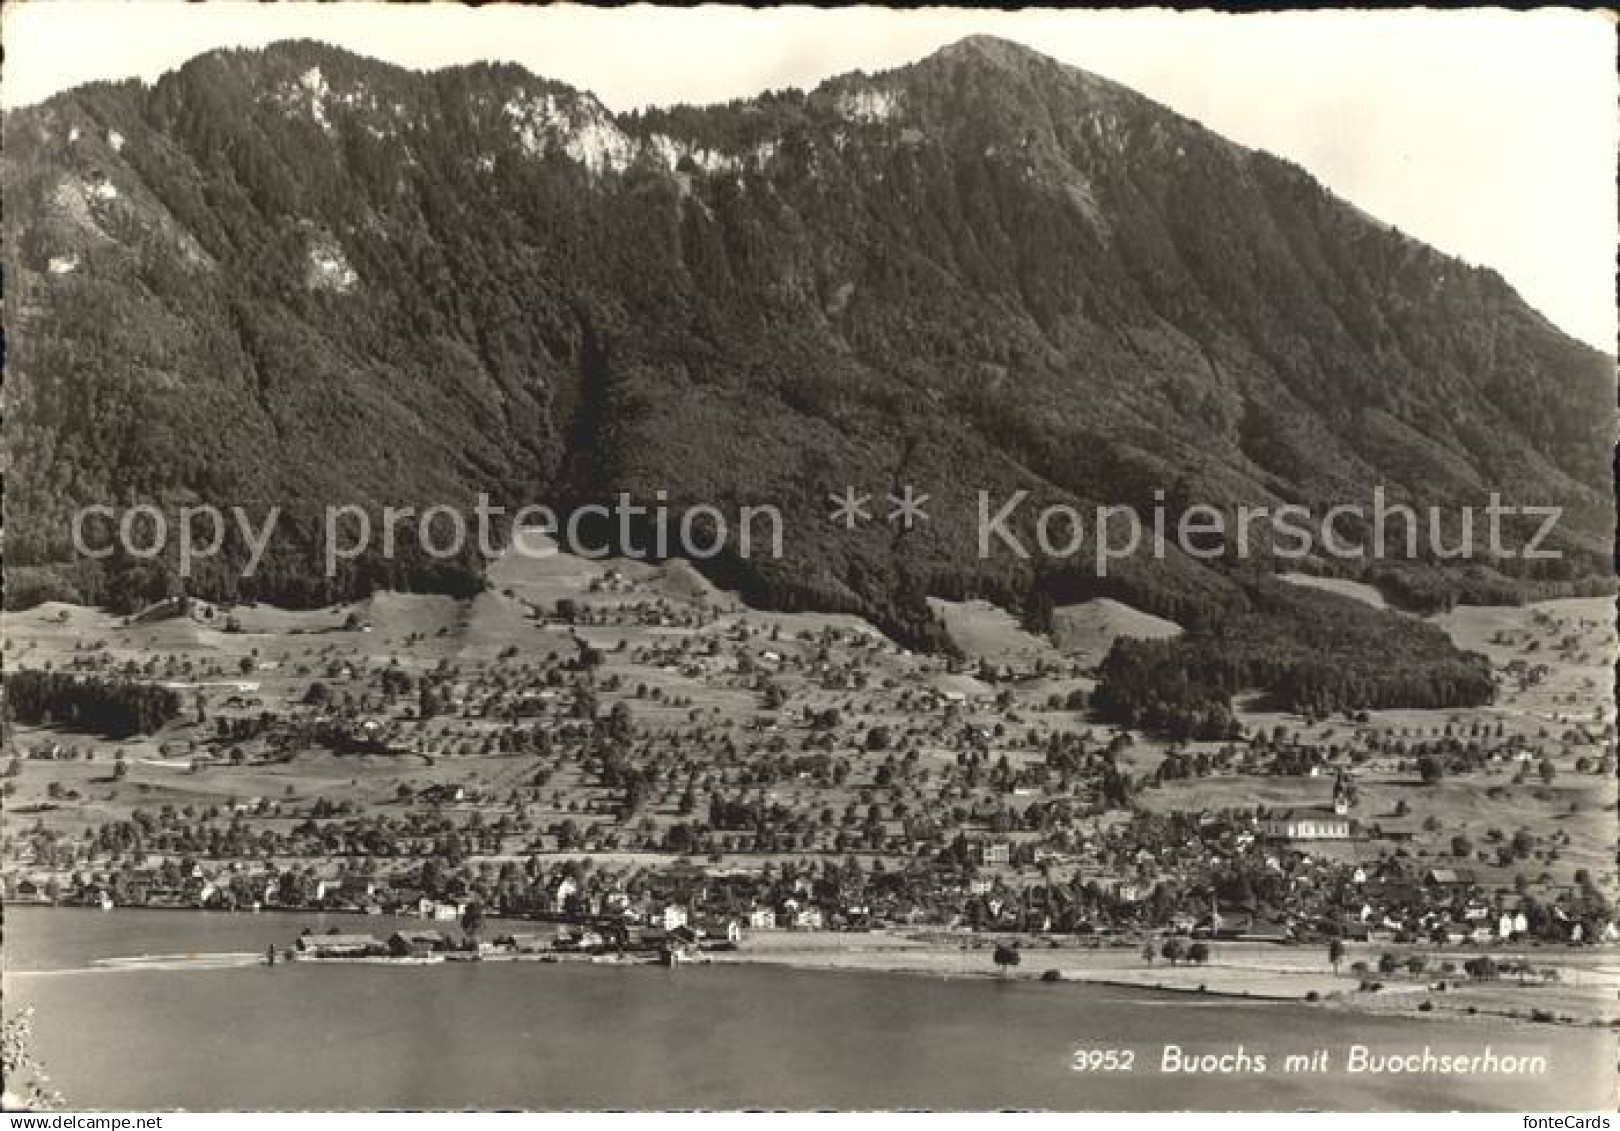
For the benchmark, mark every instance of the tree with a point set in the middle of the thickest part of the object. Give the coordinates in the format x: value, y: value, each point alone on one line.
x: 1430, y: 769
x: 1174, y: 950
x: 1198, y: 953
x: 1007, y: 956
x: 117, y: 708
x: 427, y: 700
x: 619, y: 724
x: 1336, y: 953
x: 472, y: 923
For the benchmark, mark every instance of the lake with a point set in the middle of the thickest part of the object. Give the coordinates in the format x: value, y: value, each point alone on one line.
x: 534, y: 1036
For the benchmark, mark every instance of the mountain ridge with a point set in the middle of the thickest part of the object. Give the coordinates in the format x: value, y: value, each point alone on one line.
x: 983, y: 270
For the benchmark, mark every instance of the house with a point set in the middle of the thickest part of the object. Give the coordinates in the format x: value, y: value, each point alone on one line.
x: 761, y: 919
x: 1182, y: 923
x: 994, y: 853
x: 566, y: 888
x: 808, y: 919
x: 1129, y: 891
x: 400, y: 900
x: 590, y: 940
x: 569, y: 939
x: 417, y: 944
x: 338, y: 946
x: 349, y: 891
x: 1268, y: 927
x: 723, y: 931
x: 1307, y: 824
x: 1448, y: 878
x: 644, y: 938
x: 672, y: 916
x: 439, y: 911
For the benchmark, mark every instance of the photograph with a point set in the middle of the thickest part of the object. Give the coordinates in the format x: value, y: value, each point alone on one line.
x: 713, y: 559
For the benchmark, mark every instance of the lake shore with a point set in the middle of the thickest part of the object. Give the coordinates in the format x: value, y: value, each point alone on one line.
x: 1587, y: 991
x: 1251, y: 971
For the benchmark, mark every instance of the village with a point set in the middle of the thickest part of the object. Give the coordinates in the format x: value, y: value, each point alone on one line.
x: 621, y: 760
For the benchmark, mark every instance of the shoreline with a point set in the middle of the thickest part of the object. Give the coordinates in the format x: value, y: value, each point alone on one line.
x: 1587, y: 993
x: 1209, y: 988
x: 1504, y: 1001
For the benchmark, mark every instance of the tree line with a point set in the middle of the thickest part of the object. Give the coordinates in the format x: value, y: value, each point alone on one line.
x: 115, y: 708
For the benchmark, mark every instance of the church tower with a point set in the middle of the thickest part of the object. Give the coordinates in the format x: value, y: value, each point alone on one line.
x: 1341, y: 795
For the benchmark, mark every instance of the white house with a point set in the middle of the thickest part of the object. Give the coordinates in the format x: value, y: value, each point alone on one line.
x: 995, y: 853
x: 1509, y: 926
x: 559, y: 898
x: 1307, y: 824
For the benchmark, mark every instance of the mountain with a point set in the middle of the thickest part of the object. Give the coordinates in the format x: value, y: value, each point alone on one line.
x: 298, y: 276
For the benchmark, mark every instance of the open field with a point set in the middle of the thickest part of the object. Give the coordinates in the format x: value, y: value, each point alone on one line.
x: 1587, y: 991
x: 1088, y: 630
x: 984, y: 632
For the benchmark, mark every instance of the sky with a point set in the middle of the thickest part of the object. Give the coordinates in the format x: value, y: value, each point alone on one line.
x: 1491, y: 135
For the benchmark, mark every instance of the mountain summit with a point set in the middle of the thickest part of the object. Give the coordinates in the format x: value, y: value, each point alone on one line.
x: 298, y: 276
